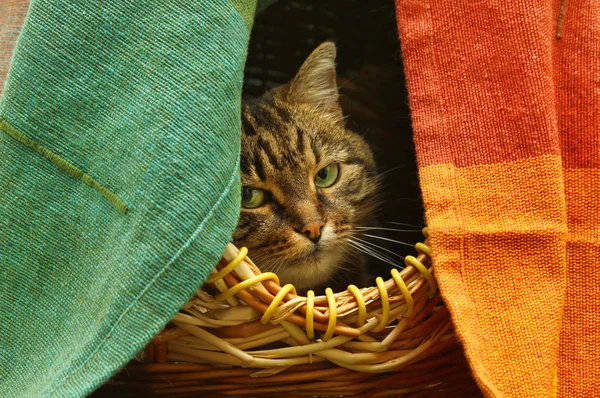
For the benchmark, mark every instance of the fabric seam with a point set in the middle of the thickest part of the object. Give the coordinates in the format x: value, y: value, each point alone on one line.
x: 156, y: 277
x: 64, y: 165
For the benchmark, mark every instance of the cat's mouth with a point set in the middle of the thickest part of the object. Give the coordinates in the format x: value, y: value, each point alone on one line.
x: 315, y: 250
x: 319, y: 254
x: 328, y: 252
x: 313, y: 257
x: 314, y: 267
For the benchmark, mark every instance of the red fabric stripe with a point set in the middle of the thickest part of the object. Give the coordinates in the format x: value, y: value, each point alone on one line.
x: 480, y: 79
x: 577, y: 70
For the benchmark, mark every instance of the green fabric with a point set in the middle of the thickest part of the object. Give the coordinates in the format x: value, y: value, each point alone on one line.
x: 119, y: 184
x: 246, y: 10
x: 249, y: 9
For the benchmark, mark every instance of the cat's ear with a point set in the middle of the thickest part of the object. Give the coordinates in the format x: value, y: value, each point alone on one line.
x: 315, y: 83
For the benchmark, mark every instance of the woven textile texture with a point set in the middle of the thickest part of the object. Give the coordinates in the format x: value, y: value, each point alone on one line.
x: 506, y: 118
x: 119, y: 184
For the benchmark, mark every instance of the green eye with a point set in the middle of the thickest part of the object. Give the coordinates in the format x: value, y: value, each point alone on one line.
x: 253, y: 197
x: 327, y: 176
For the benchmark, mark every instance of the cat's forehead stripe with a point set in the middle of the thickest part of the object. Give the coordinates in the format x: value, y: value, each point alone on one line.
x: 271, y: 117
x: 247, y: 127
x: 258, y: 167
x: 268, y: 150
x: 299, y: 140
x: 283, y: 113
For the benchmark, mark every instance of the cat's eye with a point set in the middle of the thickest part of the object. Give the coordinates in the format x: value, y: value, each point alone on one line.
x: 327, y: 176
x: 253, y: 197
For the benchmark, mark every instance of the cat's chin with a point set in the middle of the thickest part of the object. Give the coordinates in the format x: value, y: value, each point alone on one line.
x: 313, y: 270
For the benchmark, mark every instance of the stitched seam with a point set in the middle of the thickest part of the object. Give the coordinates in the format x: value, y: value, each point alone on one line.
x: 156, y: 277
x: 64, y: 165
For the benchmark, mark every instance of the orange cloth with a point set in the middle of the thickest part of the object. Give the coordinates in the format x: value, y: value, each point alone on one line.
x: 507, y: 128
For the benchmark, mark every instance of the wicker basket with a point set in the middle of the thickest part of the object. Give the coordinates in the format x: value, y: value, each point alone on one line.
x: 256, y: 338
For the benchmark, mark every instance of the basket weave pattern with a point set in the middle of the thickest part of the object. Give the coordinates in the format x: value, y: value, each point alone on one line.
x: 257, y: 338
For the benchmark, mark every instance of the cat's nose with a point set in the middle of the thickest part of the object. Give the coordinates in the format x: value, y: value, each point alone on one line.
x: 313, y: 230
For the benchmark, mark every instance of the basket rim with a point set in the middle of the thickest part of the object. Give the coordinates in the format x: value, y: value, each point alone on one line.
x: 350, y: 313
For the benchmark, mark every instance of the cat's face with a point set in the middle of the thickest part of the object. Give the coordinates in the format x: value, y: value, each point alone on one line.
x: 307, y: 181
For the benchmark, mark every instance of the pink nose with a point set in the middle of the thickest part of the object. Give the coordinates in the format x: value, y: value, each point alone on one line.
x: 313, y: 230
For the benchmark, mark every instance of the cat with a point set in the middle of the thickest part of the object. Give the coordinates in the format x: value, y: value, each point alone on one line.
x: 307, y: 181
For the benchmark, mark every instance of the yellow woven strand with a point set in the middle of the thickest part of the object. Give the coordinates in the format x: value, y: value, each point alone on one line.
x: 332, y: 314
x: 276, y: 301
x: 410, y: 303
x: 310, y: 313
x: 229, y: 267
x: 385, y: 305
x: 246, y: 284
x: 423, y: 248
x: 425, y: 232
x: 411, y: 260
x: 360, y: 303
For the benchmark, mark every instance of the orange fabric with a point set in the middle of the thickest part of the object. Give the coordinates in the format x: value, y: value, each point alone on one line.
x: 507, y: 129
x: 498, y: 247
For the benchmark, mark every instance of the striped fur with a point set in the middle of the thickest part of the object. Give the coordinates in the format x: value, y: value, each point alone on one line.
x: 288, y: 136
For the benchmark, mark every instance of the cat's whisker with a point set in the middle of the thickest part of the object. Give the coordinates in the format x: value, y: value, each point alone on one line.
x: 388, y: 171
x: 278, y: 265
x: 365, y: 249
x: 349, y: 252
x: 386, y: 229
x: 405, y: 224
x: 375, y: 246
x: 265, y: 263
x: 389, y: 240
x: 384, y: 260
x: 373, y: 254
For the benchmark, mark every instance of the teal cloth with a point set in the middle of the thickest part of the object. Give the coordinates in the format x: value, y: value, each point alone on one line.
x: 119, y: 182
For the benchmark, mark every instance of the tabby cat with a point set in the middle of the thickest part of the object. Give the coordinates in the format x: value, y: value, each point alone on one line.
x: 308, y: 182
